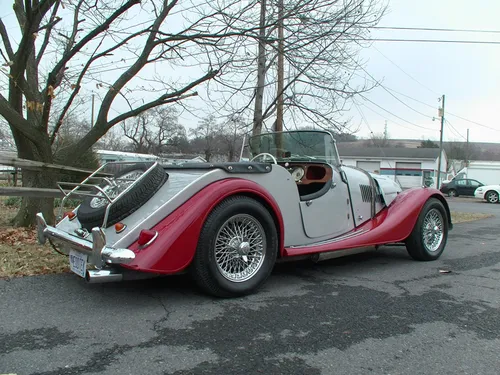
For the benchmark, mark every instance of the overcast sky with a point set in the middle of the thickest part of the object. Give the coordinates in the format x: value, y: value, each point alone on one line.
x: 468, y: 75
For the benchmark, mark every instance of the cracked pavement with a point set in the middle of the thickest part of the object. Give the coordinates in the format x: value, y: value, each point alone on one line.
x: 377, y: 313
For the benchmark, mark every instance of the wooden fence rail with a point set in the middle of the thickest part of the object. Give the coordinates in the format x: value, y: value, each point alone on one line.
x: 8, y: 159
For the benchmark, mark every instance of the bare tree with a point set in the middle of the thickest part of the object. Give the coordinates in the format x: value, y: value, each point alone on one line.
x: 154, y: 130
x: 112, y: 49
x: 207, y: 136
x: 231, y: 135
x: 323, y: 72
x: 112, y: 140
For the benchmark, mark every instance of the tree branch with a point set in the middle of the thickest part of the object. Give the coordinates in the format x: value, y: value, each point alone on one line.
x: 17, y: 121
x: 46, y: 38
x: 6, y: 41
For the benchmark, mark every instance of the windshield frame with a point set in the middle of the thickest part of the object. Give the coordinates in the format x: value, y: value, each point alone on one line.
x: 331, y: 152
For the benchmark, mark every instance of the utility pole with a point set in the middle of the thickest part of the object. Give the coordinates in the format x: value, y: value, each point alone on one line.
x: 467, y: 150
x: 281, y: 63
x: 92, y: 118
x: 441, y: 112
x: 261, y: 71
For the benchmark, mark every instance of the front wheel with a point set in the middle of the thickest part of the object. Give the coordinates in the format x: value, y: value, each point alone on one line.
x: 492, y: 197
x: 428, y: 238
x: 237, y: 248
x: 452, y: 193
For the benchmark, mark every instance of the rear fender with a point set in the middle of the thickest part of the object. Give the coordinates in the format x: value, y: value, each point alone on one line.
x: 178, y: 233
x: 393, y: 224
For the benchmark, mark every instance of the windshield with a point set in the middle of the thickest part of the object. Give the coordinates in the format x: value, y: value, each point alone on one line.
x: 296, y: 145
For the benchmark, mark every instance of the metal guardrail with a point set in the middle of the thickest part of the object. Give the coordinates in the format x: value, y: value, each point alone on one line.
x: 101, y: 190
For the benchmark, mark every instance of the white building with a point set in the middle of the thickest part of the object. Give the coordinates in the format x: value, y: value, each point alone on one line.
x: 411, y: 167
x: 107, y: 156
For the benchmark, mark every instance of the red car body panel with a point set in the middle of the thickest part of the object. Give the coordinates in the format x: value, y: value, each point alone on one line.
x: 392, y: 224
x: 176, y: 244
x: 178, y: 233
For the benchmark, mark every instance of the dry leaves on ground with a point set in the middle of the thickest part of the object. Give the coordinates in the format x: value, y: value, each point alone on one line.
x: 21, y: 255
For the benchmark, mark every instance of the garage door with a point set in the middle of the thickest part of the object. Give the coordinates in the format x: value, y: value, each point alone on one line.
x: 369, y: 166
x: 409, y: 174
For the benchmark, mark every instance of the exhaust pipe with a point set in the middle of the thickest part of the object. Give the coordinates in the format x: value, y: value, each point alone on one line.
x: 103, y: 276
x: 111, y: 275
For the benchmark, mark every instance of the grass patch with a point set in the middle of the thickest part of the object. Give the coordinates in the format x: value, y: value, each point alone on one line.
x: 20, y: 253
x: 464, y: 217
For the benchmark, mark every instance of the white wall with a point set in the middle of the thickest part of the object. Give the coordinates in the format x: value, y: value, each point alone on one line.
x: 405, y: 181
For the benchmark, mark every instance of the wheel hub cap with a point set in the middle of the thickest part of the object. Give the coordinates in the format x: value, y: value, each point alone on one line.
x: 240, y: 248
x: 433, y: 230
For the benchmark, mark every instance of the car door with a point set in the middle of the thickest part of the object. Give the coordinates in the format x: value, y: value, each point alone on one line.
x: 329, y: 214
x: 461, y: 186
x: 472, y: 185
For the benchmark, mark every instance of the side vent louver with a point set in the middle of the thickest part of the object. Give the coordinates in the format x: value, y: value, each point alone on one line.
x: 366, y: 193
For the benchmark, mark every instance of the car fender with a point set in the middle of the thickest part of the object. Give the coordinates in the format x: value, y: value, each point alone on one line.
x: 178, y: 233
x: 391, y: 225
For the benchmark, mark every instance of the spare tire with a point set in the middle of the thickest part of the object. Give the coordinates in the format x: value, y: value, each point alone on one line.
x: 92, y: 210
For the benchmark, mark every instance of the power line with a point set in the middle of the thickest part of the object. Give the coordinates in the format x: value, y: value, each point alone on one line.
x: 431, y: 41
x: 390, y: 93
x: 384, y: 117
x: 412, y: 98
x: 474, y: 122
x: 448, y: 113
x: 436, y: 29
x: 409, y: 122
x: 454, y: 130
x: 409, y: 75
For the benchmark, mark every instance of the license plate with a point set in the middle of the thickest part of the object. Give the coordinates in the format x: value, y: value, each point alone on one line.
x: 78, y: 263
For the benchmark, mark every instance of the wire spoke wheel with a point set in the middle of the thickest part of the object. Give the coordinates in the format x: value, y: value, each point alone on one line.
x: 240, y: 248
x: 430, y: 233
x: 433, y: 230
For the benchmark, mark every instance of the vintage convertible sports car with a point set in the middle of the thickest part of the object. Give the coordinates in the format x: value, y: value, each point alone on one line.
x: 227, y: 224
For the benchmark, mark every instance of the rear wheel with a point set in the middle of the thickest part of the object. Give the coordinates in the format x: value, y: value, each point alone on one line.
x: 452, y: 193
x: 492, y: 197
x: 428, y: 238
x: 237, y: 248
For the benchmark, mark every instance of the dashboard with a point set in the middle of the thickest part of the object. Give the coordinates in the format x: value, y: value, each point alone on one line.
x: 305, y: 174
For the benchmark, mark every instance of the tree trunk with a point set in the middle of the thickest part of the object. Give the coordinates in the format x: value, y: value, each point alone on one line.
x: 261, y: 72
x: 30, y: 206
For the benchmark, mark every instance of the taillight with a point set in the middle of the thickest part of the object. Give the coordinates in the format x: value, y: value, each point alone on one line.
x: 146, y: 237
x: 120, y: 227
x: 70, y: 215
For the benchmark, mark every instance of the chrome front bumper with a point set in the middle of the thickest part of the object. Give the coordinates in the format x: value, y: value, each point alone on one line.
x: 98, y: 253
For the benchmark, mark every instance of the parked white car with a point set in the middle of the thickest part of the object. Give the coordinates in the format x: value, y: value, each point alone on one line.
x: 488, y: 192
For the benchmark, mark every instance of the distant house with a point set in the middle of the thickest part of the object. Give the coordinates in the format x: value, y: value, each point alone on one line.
x: 181, y: 158
x: 411, y: 167
x: 107, y: 156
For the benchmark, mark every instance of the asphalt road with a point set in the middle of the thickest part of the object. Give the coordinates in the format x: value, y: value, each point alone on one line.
x: 375, y: 313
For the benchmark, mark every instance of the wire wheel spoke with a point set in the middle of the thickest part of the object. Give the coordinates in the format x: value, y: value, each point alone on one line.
x: 240, y: 247
x: 433, y: 230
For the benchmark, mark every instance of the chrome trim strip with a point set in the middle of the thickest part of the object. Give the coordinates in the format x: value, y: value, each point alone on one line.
x: 150, y: 241
x: 333, y: 240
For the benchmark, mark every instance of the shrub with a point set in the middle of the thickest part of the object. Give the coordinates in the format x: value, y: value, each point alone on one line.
x: 13, y: 202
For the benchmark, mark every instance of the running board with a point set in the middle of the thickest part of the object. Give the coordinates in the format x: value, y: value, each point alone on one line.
x: 330, y: 241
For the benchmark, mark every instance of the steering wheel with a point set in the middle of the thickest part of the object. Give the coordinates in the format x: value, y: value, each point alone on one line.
x: 265, y: 154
